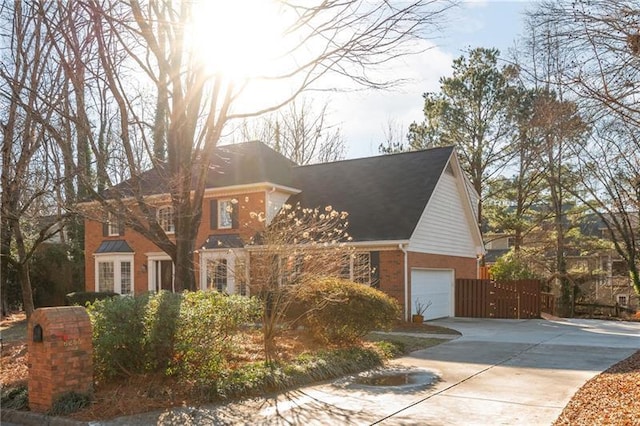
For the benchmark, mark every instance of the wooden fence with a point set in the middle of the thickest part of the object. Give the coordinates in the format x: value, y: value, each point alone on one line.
x: 499, y: 299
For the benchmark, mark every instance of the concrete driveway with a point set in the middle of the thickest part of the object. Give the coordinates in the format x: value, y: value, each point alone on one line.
x: 499, y: 372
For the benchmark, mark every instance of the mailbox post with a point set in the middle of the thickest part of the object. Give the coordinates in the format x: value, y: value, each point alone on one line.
x: 60, y: 354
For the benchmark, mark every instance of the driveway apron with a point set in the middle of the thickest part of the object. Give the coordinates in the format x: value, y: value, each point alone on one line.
x: 499, y: 372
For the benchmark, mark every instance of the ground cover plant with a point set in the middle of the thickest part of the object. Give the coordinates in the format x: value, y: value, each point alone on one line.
x: 161, y: 350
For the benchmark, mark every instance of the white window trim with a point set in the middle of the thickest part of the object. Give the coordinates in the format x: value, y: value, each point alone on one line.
x: 220, y: 203
x: 151, y: 271
x: 230, y: 257
x: 113, y: 223
x: 117, y: 259
x: 170, y: 207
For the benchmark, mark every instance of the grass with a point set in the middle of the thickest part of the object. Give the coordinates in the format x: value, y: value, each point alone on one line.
x: 406, y: 343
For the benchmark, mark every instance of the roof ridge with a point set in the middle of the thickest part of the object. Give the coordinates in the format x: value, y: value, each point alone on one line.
x: 371, y: 157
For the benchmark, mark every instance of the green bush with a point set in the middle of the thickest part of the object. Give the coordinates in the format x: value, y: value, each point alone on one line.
x: 134, y: 334
x: 160, y: 322
x: 118, y: 335
x: 511, y: 266
x: 341, y: 311
x: 83, y: 297
x: 206, y: 331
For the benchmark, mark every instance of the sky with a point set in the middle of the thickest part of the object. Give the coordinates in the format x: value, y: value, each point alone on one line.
x: 364, y: 116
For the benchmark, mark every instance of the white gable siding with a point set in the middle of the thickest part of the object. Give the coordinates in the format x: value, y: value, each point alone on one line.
x: 275, y: 201
x: 444, y: 226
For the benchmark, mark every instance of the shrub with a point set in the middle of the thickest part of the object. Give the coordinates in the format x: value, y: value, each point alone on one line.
x: 134, y: 334
x: 68, y: 403
x: 341, y: 311
x: 118, y: 335
x: 512, y: 266
x: 207, y: 326
x: 15, y: 398
x: 83, y: 297
x: 160, y: 322
x: 260, y: 377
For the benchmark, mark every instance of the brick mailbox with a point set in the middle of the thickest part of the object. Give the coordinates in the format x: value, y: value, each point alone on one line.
x: 60, y: 355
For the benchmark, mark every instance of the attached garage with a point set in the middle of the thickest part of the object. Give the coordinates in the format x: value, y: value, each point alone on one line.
x: 435, y: 286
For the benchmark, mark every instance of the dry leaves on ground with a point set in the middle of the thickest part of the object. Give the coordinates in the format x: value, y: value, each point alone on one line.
x: 610, y: 398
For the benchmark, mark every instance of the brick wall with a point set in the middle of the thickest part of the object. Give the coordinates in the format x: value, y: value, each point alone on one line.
x: 392, y: 274
x: 248, y: 225
x: 63, y: 360
x: 392, y: 269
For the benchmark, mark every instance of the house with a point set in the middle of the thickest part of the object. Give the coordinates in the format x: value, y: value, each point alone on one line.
x: 411, y: 218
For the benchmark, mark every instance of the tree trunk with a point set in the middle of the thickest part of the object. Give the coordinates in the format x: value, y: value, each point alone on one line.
x: 635, y: 278
x: 27, y: 292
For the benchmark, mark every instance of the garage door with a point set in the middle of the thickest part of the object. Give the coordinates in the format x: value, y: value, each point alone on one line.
x: 435, y: 286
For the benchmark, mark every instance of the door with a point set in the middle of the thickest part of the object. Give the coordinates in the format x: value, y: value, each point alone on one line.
x: 164, y: 275
x: 434, y: 287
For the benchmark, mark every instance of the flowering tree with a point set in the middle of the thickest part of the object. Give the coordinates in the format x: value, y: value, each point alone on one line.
x: 298, y: 246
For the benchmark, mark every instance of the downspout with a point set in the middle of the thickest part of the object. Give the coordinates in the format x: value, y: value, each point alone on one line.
x: 407, y: 305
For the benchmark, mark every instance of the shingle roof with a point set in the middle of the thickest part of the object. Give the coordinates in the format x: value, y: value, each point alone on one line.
x: 384, y: 195
x: 236, y: 164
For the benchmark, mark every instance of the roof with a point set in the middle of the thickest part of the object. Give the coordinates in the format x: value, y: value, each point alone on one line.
x: 223, y: 242
x: 384, y: 195
x: 236, y: 164
x: 114, y: 246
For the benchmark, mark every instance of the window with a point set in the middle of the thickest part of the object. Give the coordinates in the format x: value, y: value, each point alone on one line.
x: 240, y: 275
x: 114, y: 273
x: 165, y: 219
x: 290, y: 268
x: 105, y: 276
x: 225, y: 209
x: 125, y: 277
x: 622, y: 299
x: 619, y: 268
x: 113, y: 225
x: 361, y: 268
x: 217, y: 275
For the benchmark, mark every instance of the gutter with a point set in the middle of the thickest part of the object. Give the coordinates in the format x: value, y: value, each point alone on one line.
x: 407, y: 306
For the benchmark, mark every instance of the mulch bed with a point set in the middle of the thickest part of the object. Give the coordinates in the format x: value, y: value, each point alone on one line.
x: 610, y: 398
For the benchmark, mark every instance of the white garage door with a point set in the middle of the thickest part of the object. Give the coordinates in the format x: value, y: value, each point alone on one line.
x: 435, y: 286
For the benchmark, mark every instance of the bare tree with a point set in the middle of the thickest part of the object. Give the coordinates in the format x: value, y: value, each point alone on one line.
x: 596, y: 50
x: 300, y: 133
x: 142, y: 47
x: 600, y: 45
x: 394, y: 137
x: 30, y: 84
x: 609, y: 170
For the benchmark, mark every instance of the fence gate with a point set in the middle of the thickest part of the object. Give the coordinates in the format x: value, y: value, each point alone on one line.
x: 498, y: 299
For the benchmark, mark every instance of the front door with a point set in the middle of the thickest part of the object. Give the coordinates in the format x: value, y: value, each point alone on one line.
x: 164, y: 275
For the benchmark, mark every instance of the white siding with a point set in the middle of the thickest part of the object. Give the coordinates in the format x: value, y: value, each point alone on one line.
x: 275, y: 201
x: 444, y: 227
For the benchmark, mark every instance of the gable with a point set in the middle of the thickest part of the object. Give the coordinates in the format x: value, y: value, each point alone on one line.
x: 446, y: 224
x: 384, y: 195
